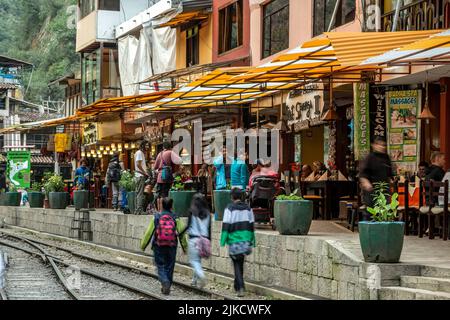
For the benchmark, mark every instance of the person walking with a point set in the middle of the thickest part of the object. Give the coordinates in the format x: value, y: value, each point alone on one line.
x: 239, y: 172
x: 163, y: 233
x: 113, y: 175
x: 238, y: 233
x: 140, y: 173
x: 376, y: 167
x: 82, y: 175
x: 165, y: 164
x: 199, y: 232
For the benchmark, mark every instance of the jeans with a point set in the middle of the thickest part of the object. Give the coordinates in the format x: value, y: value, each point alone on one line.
x: 117, y: 195
x: 238, y: 264
x: 195, y: 260
x: 140, y: 196
x: 165, y: 262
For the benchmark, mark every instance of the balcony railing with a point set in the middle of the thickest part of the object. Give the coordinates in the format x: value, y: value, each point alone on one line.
x: 419, y: 15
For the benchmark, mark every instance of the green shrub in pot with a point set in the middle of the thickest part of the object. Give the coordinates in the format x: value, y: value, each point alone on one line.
x: 382, y: 238
x: 13, y: 197
x: 36, y: 196
x: 293, y: 214
x: 181, y: 196
x: 54, y: 187
x: 128, y: 183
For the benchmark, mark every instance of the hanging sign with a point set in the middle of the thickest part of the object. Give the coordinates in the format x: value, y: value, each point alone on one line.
x: 19, y: 168
x: 377, y: 114
x: 304, y: 106
x: 362, y: 120
x: 90, y: 133
x: 404, y: 128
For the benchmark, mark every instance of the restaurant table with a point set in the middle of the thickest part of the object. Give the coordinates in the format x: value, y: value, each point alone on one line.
x: 331, y: 191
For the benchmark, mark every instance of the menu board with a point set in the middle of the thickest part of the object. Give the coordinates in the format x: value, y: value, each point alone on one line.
x: 403, y: 108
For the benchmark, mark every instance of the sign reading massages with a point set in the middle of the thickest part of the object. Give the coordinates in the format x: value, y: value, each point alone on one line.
x: 362, y: 120
x: 305, y: 106
x: 403, y: 128
x: 19, y: 168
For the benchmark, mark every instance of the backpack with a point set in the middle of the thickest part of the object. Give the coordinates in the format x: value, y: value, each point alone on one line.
x: 114, y: 172
x: 166, y: 173
x: 166, y: 231
x: 203, y: 245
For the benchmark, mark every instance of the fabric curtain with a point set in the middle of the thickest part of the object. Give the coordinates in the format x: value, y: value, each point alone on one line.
x: 128, y: 47
x: 163, y: 48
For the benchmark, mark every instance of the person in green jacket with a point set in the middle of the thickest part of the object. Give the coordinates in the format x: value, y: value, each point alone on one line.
x: 238, y: 232
x: 163, y: 233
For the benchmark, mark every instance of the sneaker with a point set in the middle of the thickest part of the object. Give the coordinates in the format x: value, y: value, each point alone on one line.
x: 194, y: 282
x: 165, y: 289
x: 202, y: 283
x: 241, y: 293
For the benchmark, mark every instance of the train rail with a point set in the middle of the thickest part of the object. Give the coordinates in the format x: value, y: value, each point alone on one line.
x: 138, y: 280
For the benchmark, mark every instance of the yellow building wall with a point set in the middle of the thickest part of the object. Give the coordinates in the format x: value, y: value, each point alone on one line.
x: 205, y: 45
x: 312, y: 145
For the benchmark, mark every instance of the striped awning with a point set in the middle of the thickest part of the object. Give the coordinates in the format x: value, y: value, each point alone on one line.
x: 335, y: 54
x: 434, y: 50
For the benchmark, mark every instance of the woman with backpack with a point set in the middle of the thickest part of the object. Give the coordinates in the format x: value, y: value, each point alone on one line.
x: 199, y: 232
x: 163, y: 233
x: 113, y: 175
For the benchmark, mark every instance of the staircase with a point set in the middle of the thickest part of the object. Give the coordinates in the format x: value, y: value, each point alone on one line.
x: 432, y: 284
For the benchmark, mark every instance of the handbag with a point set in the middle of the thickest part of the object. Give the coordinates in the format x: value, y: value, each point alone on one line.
x: 203, y: 245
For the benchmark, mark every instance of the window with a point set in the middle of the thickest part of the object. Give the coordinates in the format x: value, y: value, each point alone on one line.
x: 3, y: 99
x: 323, y: 13
x: 275, y: 27
x: 192, y: 49
x: 230, y: 27
x: 86, y: 7
x: 110, y: 5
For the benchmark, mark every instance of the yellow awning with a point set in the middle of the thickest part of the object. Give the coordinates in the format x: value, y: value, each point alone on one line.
x: 183, y: 18
x: 434, y: 49
x: 336, y: 54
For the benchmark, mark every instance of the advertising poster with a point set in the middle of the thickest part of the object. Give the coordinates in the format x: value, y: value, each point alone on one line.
x: 19, y: 168
x: 362, y: 120
x: 403, y: 108
x: 377, y: 114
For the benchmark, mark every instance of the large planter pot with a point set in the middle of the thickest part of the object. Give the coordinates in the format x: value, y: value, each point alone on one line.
x: 381, y: 241
x: 222, y: 198
x: 293, y: 217
x: 80, y: 199
x: 58, y: 200
x: 3, y: 199
x: 13, y: 199
x: 181, y: 201
x: 131, y: 199
x: 36, y: 199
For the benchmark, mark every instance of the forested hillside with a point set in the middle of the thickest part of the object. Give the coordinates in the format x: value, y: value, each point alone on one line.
x: 41, y: 32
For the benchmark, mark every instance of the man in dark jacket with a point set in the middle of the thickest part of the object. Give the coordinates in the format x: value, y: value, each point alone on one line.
x: 436, y: 170
x: 377, y: 167
x: 113, y: 175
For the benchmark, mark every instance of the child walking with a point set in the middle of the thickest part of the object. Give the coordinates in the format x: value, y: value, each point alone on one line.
x: 239, y: 234
x: 199, y: 231
x: 163, y: 232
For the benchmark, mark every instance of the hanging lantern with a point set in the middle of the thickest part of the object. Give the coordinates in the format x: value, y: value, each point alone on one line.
x: 102, y: 148
x: 133, y: 146
x: 330, y: 115
x: 83, y: 154
x: 111, y: 152
x: 92, y: 151
x: 426, y: 113
x: 105, y: 152
x: 127, y: 146
x: 94, y: 156
x: 108, y: 148
x: 113, y: 146
x: 119, y: 146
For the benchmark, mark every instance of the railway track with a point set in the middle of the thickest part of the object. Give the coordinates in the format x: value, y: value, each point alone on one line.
x: 125, y: 276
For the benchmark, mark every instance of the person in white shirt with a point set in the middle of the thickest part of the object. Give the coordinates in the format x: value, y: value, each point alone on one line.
x: 141, y: 175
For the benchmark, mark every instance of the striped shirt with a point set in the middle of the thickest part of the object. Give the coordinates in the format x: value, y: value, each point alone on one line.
x: 238, y: 224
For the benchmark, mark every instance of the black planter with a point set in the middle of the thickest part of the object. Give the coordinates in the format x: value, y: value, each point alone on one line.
x: 13, y: 199
x: 36, y: 199
x: 58, y: 200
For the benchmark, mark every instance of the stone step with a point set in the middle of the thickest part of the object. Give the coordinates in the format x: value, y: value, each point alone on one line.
x: 435, y: 272
x: 402, y: 293
x: 426, y: 283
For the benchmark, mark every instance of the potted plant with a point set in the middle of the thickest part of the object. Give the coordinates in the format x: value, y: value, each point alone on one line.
x: 36, y: 196
x: 222, y: 198
x: 128, y: 184
x: 382, y: 238
x: 13, y: 197
x: 80, y: 195
x: 293, y: 214
x: 54, y: 187
x: 181, y: 197
x: 45, y: 178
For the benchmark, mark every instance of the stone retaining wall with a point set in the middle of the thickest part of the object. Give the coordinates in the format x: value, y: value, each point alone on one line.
x: 302, y: 263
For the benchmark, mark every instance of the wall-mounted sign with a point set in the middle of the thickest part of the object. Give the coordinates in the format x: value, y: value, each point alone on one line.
x: 362, y: 120
x: 18, y: 168
x: 304, y: 106
x: 377, y: 114
x: 404, y: 128
x: 90, y: 133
